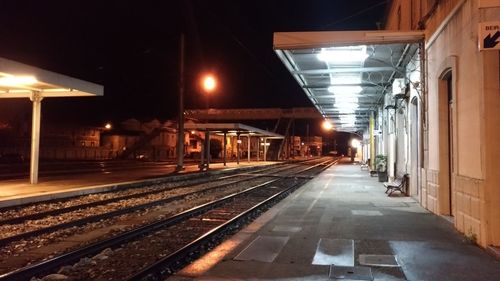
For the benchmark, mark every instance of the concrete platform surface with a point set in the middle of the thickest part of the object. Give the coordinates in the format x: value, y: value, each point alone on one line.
x: 343, y: 216
x: 16, y: 192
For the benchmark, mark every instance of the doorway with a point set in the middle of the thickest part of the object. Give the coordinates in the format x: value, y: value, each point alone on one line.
x: 446, y: 155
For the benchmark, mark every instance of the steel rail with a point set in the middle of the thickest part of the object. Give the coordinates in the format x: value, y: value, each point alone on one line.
x: 148, y: 181
x: 59, y: 211
x: 167, y: 265
x: 111, y: 214
x: 49, y: 265
x: 104, y: 202
x: 67, y: 258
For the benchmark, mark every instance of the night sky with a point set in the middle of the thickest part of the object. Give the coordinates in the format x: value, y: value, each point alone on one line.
x: 132, y: 48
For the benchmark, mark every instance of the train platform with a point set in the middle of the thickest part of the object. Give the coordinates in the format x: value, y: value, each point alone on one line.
x: 342, y: 226
x: 20, y: 191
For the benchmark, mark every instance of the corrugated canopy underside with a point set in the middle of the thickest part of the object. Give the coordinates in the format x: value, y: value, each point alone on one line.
x: 346, y: 74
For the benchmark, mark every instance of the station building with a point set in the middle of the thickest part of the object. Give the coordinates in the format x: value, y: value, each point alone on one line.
x: 428, y: 101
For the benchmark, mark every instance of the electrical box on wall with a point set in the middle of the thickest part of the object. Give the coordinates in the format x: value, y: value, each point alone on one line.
x: 399, y: 88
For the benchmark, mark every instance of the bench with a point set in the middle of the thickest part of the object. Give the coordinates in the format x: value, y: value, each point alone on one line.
x: 399, y: 184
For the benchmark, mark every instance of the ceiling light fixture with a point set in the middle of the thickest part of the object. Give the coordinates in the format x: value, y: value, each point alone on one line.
x: 343, y: 55
x: 345, y: 90
x: 345, y: 79
x: 14, y: 81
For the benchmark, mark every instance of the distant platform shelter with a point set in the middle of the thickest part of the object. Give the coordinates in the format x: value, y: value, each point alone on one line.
x: 237, y: 130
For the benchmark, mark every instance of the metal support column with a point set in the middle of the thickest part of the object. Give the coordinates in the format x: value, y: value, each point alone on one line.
x: 224, y: 153
x: 238, y: 140
x: 202, y: 156
x: 265, y: 149
x: 207, y: 146
x: 248, y: 141
x: 258, y: 149
x: 36, y: 99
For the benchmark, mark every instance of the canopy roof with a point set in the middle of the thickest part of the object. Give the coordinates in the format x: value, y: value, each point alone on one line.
x: 346, y: 74
x: 232, y: 129
x: 18, y: 80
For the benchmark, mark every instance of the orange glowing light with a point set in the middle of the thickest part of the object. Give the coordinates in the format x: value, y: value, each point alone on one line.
x: 209, y: 83
x: 327, y: 125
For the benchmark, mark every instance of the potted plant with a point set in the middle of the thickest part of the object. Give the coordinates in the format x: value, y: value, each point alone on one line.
x: 381, y: 166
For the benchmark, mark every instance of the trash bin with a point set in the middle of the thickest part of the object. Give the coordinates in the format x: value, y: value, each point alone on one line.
x: 382, y: 176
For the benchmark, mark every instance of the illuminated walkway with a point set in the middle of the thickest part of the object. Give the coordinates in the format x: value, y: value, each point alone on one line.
x: 343, y: 217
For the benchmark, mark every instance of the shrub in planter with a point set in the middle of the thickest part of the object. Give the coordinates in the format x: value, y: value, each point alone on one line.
x: 381, y: 166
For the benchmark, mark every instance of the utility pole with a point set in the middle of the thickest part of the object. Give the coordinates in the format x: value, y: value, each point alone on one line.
x: 180, y: 130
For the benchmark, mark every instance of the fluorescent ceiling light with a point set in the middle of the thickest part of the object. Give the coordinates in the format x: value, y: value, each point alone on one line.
x: 348, y: 105
x: 17, y: 81
x: 343, y: 55
x: 345, y: 90
x: 345, y: 79
x: 347, y: 124
x: 348, y: 118
x: 346, y: 99
x: 347, y: 110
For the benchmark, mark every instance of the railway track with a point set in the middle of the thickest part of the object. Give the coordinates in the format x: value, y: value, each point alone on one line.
x: 156, y: 245
x: 10, y: 215
x: 32, y: 212
x: 133, y: 210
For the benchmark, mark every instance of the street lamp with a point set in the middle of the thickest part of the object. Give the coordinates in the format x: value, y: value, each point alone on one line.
x: 108, y: 126
x: 327, y: 125
x: 209, y: 83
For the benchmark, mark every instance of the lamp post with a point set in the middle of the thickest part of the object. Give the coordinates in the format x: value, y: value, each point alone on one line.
x: 180, y: 129
x: 208, y: 84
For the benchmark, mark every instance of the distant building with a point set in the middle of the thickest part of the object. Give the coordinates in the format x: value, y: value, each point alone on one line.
x: 144, y: 140
x: 56, y: 142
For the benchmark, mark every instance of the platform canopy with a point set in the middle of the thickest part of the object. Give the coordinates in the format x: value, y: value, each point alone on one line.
x: 232, y: 129
x: 18, y: 80
x: 345, y: 74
